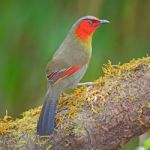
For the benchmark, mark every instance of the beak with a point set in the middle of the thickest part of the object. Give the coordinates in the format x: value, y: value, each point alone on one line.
x: 104, y: 21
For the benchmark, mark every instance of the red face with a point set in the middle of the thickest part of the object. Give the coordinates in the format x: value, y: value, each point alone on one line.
x: 86, y: 28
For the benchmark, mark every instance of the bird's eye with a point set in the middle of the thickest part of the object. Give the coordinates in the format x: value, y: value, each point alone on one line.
x: 91, y: 22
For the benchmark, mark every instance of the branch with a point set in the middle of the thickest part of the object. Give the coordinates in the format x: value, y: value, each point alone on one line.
x: 104, y: 116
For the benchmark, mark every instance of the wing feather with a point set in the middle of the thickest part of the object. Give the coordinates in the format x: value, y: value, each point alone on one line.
x: 59, y: 74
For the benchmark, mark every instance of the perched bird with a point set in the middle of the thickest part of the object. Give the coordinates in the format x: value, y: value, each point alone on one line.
x: 67, y: 68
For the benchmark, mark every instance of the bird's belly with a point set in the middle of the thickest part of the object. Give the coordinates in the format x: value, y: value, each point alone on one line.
x: 72, y: 80
x: 76, y: 77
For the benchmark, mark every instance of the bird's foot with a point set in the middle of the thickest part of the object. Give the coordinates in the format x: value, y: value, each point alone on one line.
x: 86, y: 84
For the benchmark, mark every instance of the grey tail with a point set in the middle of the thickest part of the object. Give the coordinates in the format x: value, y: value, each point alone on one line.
x: 46, y: 121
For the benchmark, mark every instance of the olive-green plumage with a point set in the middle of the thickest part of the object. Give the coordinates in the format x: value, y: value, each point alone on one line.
x: 67, y: 68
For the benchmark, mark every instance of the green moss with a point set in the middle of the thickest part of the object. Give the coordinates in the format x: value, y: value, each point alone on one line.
x: 139, y: 116
x: 79, y: 129
x: 93, y: 98
x: 148, y: 104
x: 140, y: 111
x: 72, y: 103
x: 49, y: 147
x: 113, y: 70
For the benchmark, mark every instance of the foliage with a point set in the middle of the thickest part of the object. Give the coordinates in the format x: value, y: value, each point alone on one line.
x: 147, y: 143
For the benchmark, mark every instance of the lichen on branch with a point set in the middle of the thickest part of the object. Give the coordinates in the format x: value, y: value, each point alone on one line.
x: 104, y: 115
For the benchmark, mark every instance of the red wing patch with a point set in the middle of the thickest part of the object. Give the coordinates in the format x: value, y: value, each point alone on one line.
x: 56, y: 75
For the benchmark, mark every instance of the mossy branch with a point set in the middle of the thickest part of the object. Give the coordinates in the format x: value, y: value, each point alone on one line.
x: 104, y: 116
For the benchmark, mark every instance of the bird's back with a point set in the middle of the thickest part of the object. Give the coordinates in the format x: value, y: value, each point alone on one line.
x: 71, y: 53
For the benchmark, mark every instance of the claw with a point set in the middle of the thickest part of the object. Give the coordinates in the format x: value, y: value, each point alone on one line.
x: 86, y: 83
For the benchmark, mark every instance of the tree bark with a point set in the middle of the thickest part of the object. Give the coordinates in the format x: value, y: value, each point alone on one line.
x: 102, y: 116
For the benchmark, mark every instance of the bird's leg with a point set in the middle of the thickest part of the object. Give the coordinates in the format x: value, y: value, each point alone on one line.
x: 86, y: 84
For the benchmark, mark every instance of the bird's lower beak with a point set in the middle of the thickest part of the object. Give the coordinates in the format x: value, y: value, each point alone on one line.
x: 104, y: 21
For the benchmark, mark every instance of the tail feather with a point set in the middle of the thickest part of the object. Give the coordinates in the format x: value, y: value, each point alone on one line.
x: 46, y: 121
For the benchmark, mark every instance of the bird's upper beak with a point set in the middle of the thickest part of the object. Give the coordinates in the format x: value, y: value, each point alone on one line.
x: 104, y: 21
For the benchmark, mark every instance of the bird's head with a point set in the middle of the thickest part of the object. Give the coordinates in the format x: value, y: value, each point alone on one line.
x: 85, y: 27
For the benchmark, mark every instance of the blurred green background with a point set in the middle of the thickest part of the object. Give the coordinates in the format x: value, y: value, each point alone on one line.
x: 31, y: 31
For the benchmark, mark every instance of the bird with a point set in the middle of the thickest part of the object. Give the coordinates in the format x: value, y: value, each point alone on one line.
x: 66, y: 68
